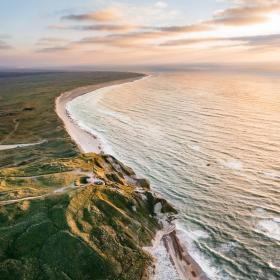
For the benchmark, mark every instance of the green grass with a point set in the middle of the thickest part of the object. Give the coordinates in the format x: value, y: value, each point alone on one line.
x: 27, y: 101
x: 92, y: 232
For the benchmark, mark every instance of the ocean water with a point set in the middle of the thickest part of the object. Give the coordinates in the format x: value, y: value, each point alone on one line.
x: 209, y: 142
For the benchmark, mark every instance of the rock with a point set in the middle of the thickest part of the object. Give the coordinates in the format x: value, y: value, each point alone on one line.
x: 114, y: 177
x: 143, y: 183
x: 77, y: 182
x: 28, y: 109
x: 98, y: 182
x: 154, y: 200
x: 128, y: 170
x: 84, y: 180
x: 98, y: 163
x: 118, y: 166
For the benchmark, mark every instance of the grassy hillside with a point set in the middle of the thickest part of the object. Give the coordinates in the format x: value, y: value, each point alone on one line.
x: 66, y: 215
x: 91, y: 231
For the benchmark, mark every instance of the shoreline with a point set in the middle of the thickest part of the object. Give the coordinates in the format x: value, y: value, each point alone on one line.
x: 186, y: 267
x: 86, y: 142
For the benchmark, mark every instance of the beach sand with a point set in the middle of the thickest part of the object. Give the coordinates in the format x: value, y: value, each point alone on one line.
x: 85, y: 141
x: 184, y: 264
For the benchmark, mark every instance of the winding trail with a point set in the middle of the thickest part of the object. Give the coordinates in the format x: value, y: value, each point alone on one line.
x: 59, y: 190
x: 14, y: 146
x: 12, y: 201
x: 75, y: 171
x: 12, y: 132
x: 63, y: 189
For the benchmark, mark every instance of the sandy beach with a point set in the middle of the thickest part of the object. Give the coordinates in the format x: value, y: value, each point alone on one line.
x: 185, y: 265
x: 85, y: 141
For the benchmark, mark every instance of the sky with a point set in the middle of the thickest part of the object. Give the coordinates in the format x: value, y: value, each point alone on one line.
x: 123, y: 32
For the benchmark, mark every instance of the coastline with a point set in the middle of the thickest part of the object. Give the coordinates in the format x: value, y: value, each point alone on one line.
x: 86, y: 142
x: 186, y: 267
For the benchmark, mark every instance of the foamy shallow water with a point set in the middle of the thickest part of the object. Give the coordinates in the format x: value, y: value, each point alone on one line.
x: 210, y: 144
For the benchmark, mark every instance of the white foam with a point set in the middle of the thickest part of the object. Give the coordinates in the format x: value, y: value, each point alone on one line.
x: 270, y: 227
x: 157, y: 208
x: 143, y: 196
x: 267, y: 223
x: 105, y: 146
x: 115, y: 115
x: 164, y: 269
x: 94, y: 98
x: 260, y: 212
x: 227, y: 247
x: 151, y: 130
x: 194, y: 147
x: 187, y: 237
x: 232, y: 164
x: 272, y: 174
x: 272, y: 265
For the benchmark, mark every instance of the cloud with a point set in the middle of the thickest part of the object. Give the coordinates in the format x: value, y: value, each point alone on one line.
x: 131, y: 39
x: 5, y: 36
x: 255, y: 2
x: 54, y: 49
x: 251, y: 41
x: 262, y: 40
x: 185, y: 42
x: 124, y: 33
x: 108, y: 27
x: 236, y: 16
x: 4, y: 45
x: 110, y: 14
x: 51, y: 41
x: 241, y: 15
x: 199, y: 27
x: 246, y: 15
x: 161, y: 5
x: 57, y: 26
x: 124, y: 27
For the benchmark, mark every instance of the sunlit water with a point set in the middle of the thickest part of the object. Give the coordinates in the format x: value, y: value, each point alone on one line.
x: 210, y: 144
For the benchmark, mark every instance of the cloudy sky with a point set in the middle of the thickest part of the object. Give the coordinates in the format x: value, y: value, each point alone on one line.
x: 104, y: 32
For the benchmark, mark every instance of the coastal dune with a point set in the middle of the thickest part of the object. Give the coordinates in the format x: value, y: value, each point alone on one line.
x: 184, y: 264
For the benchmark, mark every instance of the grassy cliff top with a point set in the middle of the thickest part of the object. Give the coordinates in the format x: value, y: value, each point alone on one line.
x: 89, y: 220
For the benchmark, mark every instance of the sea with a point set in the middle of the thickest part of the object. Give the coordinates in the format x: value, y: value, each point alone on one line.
x: 209, y: 142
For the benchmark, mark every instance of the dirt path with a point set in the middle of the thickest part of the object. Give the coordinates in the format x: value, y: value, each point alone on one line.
x: 16, y: 122
x: 75, y: 172
x: 6, y: 202
x: 91, y: 180
x: 59, y: 190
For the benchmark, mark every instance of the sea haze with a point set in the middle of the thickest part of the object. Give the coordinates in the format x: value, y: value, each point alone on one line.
x: 210, y: 144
